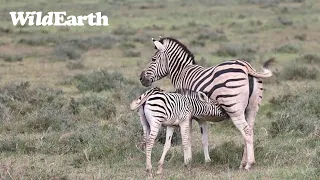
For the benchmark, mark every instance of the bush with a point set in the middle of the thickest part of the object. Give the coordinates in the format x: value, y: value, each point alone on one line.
x: 41, y: 39
x: 285, y: 21
x: 94, y: 105
x: 208, y: 34
x: 297, y: 113
x: 124, y: 30
x: 228, y: 153
x: 200, y: 43
x: 11, y: 57
x: 46, y: 117
x: 131, y: 53
x: 288, y: 48
x: 98, y: 81
x: 37, y: 107
x: 310, y: 59
x: 5, y: 114
x: 65, y: 51
x: 236, y: 49
x: 301, y: 37
x: 298, y: 71
x: 75, y: 65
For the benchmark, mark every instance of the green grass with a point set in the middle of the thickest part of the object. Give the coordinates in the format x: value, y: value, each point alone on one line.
x: 65, y: 91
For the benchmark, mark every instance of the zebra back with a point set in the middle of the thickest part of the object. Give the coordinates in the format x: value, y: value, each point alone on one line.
x: 136, y: 103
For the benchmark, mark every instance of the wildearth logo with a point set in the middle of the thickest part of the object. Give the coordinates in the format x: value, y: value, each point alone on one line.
x: 57, y: 19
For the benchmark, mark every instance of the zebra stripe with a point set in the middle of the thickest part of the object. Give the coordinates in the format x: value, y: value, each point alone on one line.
x: 229, y: 83
x: 157, y: 108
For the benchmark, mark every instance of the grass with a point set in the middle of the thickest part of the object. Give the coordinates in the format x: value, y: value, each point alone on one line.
x: 64, y: 92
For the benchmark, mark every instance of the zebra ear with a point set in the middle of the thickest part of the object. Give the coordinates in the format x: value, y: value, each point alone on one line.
x: 158, y: 45
x: 203, y: 97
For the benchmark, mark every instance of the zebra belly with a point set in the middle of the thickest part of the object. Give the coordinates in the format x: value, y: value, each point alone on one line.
x: 172, y: 122
x: 212, y: 118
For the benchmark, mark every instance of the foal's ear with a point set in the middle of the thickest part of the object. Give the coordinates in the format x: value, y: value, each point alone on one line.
x: 203, y: 97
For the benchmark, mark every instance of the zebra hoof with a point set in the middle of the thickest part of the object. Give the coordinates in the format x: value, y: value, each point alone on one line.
x: 149, y: 174
x: 242, y: 165
x: 160, y: 169
x: 207, y: 160
x: 248, y: 166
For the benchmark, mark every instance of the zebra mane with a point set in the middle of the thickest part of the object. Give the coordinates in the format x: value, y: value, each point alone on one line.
x: 181, y: 45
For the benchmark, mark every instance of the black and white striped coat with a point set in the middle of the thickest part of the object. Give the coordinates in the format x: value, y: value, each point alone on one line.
x: 234, y: 84
x: 157, y: 108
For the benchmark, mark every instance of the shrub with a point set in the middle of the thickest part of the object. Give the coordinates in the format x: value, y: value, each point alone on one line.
x: 5, y: 114
x: 11, y: 57
x: 40, y: 39
x: 46, y: 117
x: 288, y: 48
x: 236, y: 49
x: 98, y: 81
x: 37, y: 107
x: 301, y: 37
x: 200, y: 43
x: 154, y: 27
x: 142, y: 36
x: 75, y: 65
x: 289, y: 115
x: 298, y: 71
x: 65, y: 51
x: 310, y: 59
x: 285, y: 21
x: 124, y: 30
x: 204, y: 62
x: 228, y: 153
x: 131, y: 53
x: 127, y: 45
x: 94, y: 105
x: 208, y: 34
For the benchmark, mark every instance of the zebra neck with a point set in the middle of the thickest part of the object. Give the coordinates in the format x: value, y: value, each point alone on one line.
x: 179, y: 76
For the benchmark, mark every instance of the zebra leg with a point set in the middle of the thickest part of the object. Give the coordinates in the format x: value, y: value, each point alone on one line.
x: 145, y: 127
x: 204, y: 134
x: 247, y: 133
x: 154, y: 129
x: 251, y: 113
x: 185, y: 135
x: 166, y: 147
x: 244, y: 157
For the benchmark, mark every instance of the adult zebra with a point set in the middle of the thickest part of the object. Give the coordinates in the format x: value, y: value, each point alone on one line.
x: 235, y: 84
x: 157, y: 107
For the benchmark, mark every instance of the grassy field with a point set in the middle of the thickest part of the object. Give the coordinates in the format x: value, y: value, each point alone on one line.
x: 65, y: 91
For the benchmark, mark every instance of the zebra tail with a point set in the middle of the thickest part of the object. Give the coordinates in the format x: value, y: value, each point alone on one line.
x: 266, y: 73
x: 136, y: 103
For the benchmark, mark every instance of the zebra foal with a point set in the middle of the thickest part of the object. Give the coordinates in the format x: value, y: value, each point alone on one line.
x: 157, y: 107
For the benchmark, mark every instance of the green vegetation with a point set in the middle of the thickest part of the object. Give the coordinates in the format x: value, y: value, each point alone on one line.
x: 65, y: 91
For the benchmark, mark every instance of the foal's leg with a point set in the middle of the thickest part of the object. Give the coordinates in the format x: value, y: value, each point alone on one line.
x: 185, y: 134
x: 154, y: 129
x: 204, y: 134
x: 145, y: 126
x: 166, y: 147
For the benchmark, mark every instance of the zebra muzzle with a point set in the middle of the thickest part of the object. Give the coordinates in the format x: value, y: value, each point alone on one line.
x: 144, y: 80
